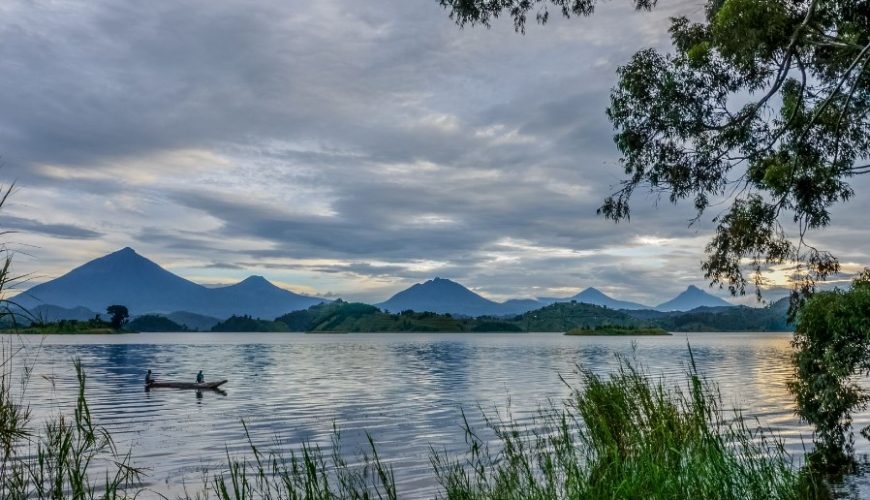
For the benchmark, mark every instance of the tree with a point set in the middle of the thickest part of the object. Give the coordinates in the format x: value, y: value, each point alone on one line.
x: 119, y: 316
x: 765, y: 104
x: 832, y: 343
x: 484, y: 11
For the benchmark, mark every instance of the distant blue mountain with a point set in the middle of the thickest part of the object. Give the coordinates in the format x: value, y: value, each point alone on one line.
x: 693, y: 297
x: 125, y: 277
x: 520, y: 306
x: 193, y: 321
x: 257, y: 297
x: 49, y: 313
x: 440, y: 296
x: 445, y: 296
x: 597, y: 298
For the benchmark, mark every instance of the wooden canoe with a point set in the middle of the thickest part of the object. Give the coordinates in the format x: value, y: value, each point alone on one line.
x: 187, y: 385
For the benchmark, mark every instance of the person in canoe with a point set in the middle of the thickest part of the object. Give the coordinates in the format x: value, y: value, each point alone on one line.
x: 148, y: 378
x: 200, y: 378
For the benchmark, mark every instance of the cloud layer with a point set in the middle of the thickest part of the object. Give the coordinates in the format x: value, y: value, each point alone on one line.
x: 339, y: 147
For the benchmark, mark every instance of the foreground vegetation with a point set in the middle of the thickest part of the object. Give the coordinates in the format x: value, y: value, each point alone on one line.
x: 69, y: 457
x: 832, y: 347
x: 626, y: 435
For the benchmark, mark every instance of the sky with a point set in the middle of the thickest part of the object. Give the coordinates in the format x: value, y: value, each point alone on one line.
x: 339, y: 147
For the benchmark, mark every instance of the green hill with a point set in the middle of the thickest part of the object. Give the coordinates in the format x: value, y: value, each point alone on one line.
x: 772, y: 318
x: 193, y: 321
x: 249, y: 324
x: 154, y: 323
x: 563, y: 316
x: 340, y: 316
x: 346, y: 317
x: 616, y: 330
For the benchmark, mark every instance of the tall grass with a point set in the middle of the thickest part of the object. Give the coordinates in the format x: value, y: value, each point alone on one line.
x: 628, y: 436
x: 70, y: 458
x: 311, y: 474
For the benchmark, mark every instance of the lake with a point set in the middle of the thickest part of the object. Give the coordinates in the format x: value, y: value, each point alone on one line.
x: 406, y: 390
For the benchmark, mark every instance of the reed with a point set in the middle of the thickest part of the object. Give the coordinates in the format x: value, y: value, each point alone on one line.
x: 69, y: 458
x: 627, y: 436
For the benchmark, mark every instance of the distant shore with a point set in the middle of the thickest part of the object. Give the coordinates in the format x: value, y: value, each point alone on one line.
x: 616, y: 330
x: 49, y: 331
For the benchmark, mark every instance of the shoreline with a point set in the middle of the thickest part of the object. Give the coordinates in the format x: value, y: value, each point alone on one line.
x: 92, y: 331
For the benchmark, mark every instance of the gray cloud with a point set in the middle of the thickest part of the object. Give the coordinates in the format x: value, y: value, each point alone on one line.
x: 338, y: 145
x: 223, y: 265
x: 63, y: 231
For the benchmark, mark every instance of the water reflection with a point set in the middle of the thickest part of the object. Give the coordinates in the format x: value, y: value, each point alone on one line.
x: 406, y: 390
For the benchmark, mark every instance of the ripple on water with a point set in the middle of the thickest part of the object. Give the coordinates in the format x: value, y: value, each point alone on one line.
x: 406, y: 390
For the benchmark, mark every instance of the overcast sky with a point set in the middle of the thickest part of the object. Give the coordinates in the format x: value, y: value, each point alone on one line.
x: 339, y: 147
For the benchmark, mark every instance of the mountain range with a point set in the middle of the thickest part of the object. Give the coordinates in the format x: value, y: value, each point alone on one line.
x: 127, y: 278
x: 445, y: 296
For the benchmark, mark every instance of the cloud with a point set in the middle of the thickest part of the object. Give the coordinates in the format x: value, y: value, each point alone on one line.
x: 62, y: 231
x: 222, y: 265
x: 336, y: 146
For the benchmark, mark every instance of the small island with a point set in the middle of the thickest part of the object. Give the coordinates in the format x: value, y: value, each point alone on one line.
x: 616, y: 330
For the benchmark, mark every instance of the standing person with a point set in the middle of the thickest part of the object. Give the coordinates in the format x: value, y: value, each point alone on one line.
x: 148, y: 378
x: 200, y: 378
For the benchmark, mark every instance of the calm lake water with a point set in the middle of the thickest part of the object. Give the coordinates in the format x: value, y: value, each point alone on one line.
x: 406, y: 390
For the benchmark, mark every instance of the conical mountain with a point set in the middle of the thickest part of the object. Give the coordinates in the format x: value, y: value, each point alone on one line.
x: 520, y: 306
x: 598, y: 298
x: 127, y: 278
x: 258, y: 297
x: 123, y: 277
x: 441, y: 296
x: 692, y: 298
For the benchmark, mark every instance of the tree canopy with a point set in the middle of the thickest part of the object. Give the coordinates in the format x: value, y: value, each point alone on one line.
x: 832, y: 343
x: 762, y: 103
x: 119, y: 315
x: 483, y: 12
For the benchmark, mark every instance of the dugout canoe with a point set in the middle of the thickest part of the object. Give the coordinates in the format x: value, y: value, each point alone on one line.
x: 187, y: 385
